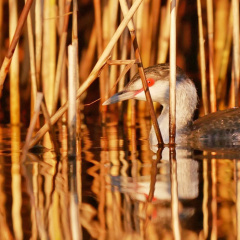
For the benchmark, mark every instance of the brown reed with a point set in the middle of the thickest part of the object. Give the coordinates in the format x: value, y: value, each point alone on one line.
x: 202, y: 58
x: 211, y: 56
x: 34, y: 85
x: 236, y: 61
x: 172, y: 80
x: 14, y: 68
x: 8, y: 58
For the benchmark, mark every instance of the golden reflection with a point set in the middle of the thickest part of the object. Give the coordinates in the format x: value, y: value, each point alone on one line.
x: 16, y: 183
x: 113, y: 190
x: 174, y: 194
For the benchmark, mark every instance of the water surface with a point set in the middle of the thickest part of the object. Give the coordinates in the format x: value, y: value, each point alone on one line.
x: 116, y: 188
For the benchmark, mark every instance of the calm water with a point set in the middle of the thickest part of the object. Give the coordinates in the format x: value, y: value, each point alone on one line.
x: 117, y: 188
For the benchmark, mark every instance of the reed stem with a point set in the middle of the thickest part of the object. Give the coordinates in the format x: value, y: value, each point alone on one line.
x: 213, y: 100
x: 235, y: 9
x: 172, y: 80
x: 72, y: 79
x: 8, y: 58
x: 14, y: 68
x: 202, y: 59
x: 34, y: 87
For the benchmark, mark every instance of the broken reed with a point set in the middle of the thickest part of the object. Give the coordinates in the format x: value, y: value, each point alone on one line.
x: 153, y: 36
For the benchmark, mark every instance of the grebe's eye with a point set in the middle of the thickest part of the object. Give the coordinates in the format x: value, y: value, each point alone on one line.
x: 150, y: 82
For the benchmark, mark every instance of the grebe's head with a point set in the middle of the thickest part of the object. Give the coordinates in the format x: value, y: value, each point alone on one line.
x: 158, y: 82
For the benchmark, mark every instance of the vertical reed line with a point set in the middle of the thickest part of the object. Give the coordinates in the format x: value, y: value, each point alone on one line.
x: 72, y: 77
x: 172, y: 80
x: 124, y: 52
x: 124, y: 8
x: 156, y: 7
x: 8, y: 58
x: 38, y: 39
x: 63, y: 41
x: 211, y: 56
x: 214, y: 206
x: 235, y: 9
x: 163, y: 41
x: 146, y: 34
x: 202, y: 59
x: 98, y: 22
x: 221, y: 18
x: 174, y: 194
x: 32, y: 63
x: 1, y: 24
x: 86, y: 60
x: 205, y: 199
x: 16, y: 183
x: 113, y: 15
x: 222, y: 79
x: 49, y: 52
x: 14, y: 68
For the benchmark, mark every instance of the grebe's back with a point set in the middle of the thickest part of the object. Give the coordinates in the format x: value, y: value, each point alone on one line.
x: 220, y: 128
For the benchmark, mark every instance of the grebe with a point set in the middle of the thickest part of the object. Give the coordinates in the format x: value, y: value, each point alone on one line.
x: 223, y: 125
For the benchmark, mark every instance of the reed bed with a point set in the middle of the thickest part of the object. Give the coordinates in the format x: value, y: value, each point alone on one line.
x: 55, y: 22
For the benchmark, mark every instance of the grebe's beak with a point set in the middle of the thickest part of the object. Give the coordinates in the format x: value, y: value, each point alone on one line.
x: 121, y: 96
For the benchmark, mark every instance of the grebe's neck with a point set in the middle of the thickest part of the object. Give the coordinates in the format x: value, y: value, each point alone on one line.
x: 186, y: 101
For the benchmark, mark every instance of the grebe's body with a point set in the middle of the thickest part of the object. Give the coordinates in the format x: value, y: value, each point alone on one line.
x: 226, y: 124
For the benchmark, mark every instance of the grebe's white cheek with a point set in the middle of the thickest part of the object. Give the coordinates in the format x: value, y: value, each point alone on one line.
x: 160, y: 91
x: 140, y: 96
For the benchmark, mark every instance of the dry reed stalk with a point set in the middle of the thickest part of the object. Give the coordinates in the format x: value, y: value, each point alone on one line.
x: 78, y: 107
x: 172, y: 80
x: 236, y: 62
x: 174, y: 194
x: 51, y: 129
x: 138, y: 20
x: 155, y: 12
x: 202, y: 59
x: 38, y: 39
x: 120, y: 62
x: 31, y: 128
x: 163, y: 41
x: 124, y: 8
x: 49, y: 53
x: 222, y: 79
x: 146, y: 34
x: 14, y: 68
x: 63, y: 41
x: 34, y: 87
x: 8, y: 58
x: 232, y: 91
x: 123, y: 56
x: 113, y: 16
x: 94, y: 74
x: 213, y: 103
x: 221, y: 17
x: 1, y: 24
x: 99, y: 31
x: 86, y: 61
x: 72, y: 79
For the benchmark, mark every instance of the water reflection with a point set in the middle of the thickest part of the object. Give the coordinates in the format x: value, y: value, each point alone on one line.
x: 116, y: 188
